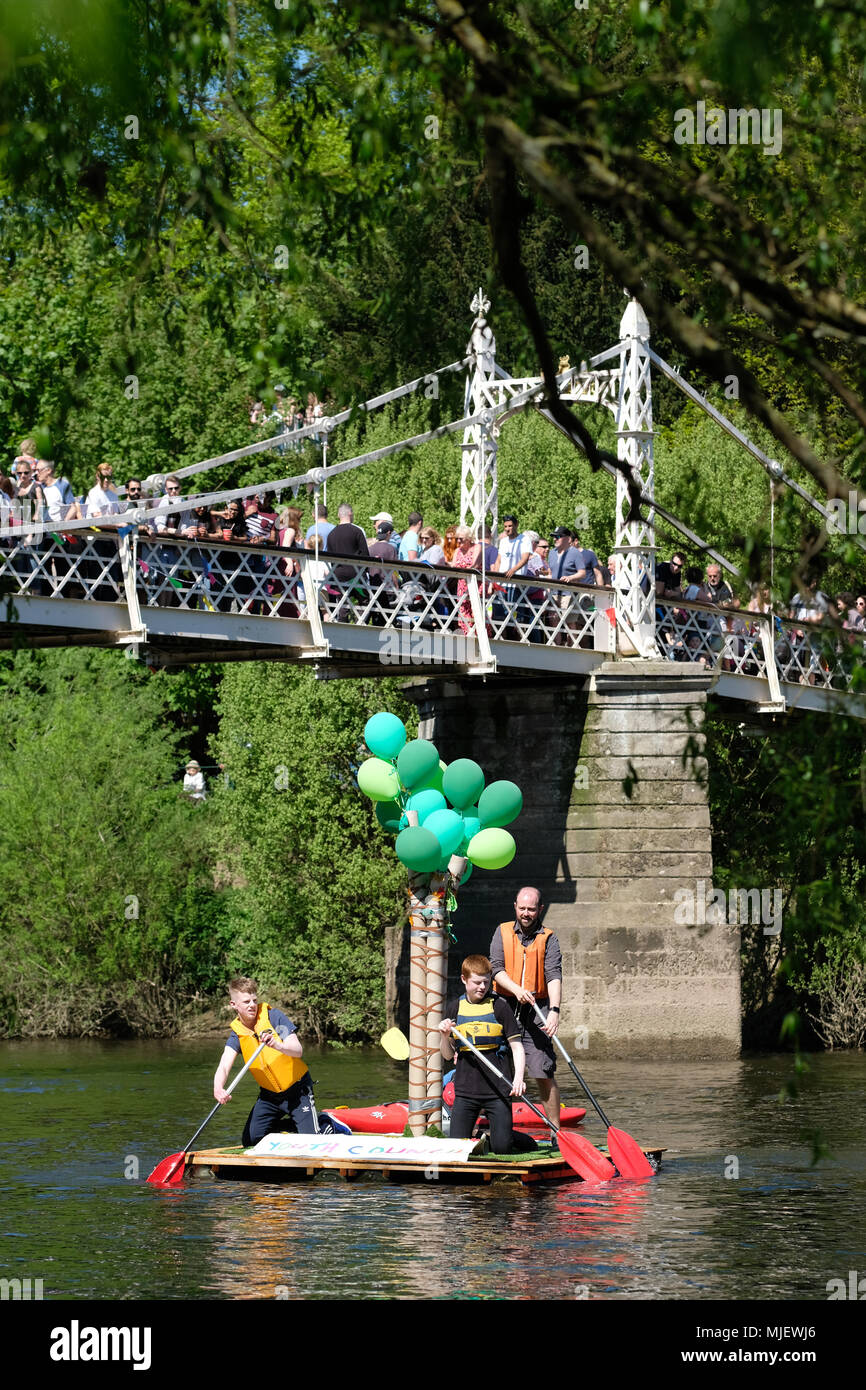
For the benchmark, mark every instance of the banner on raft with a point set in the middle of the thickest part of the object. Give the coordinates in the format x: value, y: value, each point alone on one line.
x: 365, y: 1146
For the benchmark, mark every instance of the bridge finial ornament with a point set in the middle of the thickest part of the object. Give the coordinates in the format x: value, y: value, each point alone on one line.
x: 480, y: 304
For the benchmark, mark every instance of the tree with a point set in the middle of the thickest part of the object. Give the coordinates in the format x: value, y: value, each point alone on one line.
x: 312, y: 895
x: 110, y: 918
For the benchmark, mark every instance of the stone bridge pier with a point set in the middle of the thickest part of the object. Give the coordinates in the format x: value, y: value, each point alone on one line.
x: 615, y: 821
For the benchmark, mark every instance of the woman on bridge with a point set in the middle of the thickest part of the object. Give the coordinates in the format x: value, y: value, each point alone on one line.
x: 467, y: 556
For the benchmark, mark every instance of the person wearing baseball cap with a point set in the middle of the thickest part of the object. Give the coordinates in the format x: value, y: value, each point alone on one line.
x: 382, y: 518
x: 383, y: 546
x: 564, y: 560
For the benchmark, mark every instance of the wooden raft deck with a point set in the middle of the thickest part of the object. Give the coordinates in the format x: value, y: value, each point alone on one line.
x: 234, y: 1163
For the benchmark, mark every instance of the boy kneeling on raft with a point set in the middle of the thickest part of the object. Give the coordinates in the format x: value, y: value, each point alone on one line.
x: 286, y: 1089
x: 487, y: 1021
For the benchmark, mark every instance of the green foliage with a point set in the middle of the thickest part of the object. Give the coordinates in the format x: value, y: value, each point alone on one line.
x: 314, y: 879
x: 110, y: 919
x: 787, y: 811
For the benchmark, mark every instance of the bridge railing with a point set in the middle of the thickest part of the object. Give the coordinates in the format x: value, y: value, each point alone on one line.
x: 739, y: 642
x: 144, y: 572
x: 267, y: 581
x: 88, y: 565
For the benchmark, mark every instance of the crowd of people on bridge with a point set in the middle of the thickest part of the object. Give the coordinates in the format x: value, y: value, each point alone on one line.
x: 344, y: 559
x: 287, y: 415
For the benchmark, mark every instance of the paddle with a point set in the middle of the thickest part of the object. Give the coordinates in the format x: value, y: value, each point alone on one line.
x: 626, y: 1152
x: 170, y: 1171
x: 578, y: 1153
x: 396, y: 1044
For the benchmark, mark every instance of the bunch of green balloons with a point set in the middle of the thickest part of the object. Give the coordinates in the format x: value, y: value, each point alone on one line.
x: 404, y: 776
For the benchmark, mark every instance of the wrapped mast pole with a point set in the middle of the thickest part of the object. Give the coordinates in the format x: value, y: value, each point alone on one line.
x: 428, y: 980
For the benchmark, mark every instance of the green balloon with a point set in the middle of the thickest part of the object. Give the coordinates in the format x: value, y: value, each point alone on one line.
x: 463, y: 783
x: 425, y: 803
x: 471, y: 826
x: 500, y: 804
x: 378, y: 780
x: 384, y: 735
x: 447, y: 826
x: 416, y: 764
x: 390, y: 816
x: 434, y: 781
x: 492, y: 849
x: 418, y: 849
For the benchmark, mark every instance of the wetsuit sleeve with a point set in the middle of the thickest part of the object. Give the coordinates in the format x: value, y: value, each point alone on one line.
x: 507, y: 1017
x: 497, y: 953
x: 552, y: 959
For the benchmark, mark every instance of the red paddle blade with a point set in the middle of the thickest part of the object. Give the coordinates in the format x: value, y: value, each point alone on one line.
x: 584, y: 1158
x: 170, y: 1171
x: 628, y: 1155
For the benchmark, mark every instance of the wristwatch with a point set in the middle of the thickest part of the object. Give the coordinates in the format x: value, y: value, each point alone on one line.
x: 554, y: 1009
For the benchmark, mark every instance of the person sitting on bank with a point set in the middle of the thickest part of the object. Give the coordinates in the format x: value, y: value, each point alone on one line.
x: 286, y: 1101
x: 488, y: 1022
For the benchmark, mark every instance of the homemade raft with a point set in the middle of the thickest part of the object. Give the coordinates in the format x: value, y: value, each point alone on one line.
x: 298, y: 1158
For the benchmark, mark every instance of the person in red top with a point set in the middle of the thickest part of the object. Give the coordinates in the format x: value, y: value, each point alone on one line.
x: 527, y: 965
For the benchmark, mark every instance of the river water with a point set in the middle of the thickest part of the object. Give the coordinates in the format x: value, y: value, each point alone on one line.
x: 739, y: 1210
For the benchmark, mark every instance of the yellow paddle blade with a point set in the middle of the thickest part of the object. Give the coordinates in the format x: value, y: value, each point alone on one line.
x: 396, y: 1044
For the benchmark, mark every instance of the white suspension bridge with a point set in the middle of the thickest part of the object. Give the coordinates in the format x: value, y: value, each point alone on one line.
x: 172, y: 601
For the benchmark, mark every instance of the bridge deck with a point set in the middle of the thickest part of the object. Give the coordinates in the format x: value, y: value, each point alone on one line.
x: 178, y: 602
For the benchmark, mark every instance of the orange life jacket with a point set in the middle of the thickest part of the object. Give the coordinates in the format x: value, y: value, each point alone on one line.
x: 524, y: 964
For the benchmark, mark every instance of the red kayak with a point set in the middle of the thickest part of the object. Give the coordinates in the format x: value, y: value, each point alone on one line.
x: 391, y: 1117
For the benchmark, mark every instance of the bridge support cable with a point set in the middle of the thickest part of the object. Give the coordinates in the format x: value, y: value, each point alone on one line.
x: 771, y: 466
x: 290, y: 438
x: 586, y: 386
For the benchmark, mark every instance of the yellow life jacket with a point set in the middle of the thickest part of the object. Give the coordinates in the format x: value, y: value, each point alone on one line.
x: 479, y: 1024
x: 273, y: 1070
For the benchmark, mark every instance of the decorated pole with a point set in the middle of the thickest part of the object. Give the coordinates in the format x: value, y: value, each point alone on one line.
x: 418, y: 1007
x: 439, y: 843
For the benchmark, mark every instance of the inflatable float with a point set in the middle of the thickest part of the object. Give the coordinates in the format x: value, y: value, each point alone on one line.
x: 391, y: 1117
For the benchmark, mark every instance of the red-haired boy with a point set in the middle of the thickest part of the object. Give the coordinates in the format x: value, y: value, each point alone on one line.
x: 487, y: 1021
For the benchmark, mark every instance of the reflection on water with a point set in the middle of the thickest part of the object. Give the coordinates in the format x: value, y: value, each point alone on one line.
x: 78, y: 1116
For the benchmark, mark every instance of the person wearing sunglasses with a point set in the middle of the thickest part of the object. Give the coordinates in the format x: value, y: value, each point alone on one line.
x: 102, y: 500
x: 669, y: 577
x: 172, y: 516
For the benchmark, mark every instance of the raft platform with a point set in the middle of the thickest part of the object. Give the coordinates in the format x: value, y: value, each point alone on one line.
x: 239, y: 1164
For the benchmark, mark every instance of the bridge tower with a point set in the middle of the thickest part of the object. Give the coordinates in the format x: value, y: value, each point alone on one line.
x: 479, y: 495
x: 635, y: 539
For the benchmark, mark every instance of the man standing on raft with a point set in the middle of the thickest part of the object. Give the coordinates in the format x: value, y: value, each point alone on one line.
x: 286, y: 1089
x: 527, y: 964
